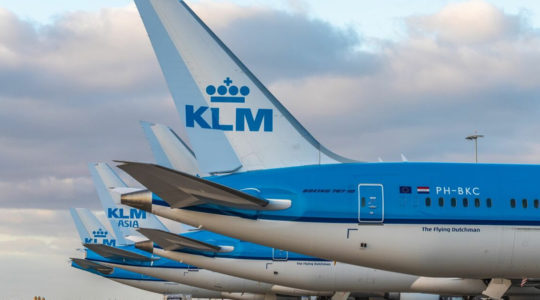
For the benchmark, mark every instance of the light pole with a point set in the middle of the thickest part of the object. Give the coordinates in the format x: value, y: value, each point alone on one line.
x: 475, y: 138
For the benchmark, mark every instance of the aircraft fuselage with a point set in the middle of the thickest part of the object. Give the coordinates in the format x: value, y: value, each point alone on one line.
x: 429, y: 219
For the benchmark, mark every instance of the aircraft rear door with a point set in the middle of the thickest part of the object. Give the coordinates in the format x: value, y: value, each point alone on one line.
x: 370, y: 203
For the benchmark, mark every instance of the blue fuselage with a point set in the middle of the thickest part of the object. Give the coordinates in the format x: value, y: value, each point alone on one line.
x: 398, y: 193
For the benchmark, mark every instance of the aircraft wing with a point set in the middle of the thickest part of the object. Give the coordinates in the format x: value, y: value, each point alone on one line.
x: 181, y: 190
x: 87, y: 264
x: 115, y: 253
x: 171, y: 241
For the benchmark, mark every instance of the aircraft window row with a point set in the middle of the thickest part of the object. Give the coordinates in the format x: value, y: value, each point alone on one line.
x: 464, y: 202
x: 524, y: 203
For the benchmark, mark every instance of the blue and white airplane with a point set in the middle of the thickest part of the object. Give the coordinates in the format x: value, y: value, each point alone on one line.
x: 251, y: 261
x: 125, y: 256
x: 143, y: 282
x: 91, y: 231
x: 257, y: 262
x: 281, y: 188
x: 247, y: 260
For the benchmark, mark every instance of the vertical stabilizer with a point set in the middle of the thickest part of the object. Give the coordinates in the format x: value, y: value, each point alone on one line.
x: 90, y: 229
x: 124, y: 220
x: 222, y: 103
x: 169, y: 149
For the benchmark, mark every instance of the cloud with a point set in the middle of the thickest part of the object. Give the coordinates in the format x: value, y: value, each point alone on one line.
x: 278, y: 44
x: 81, y: 53
x: 468, y: 22
x: 72, y: 92
x: 26, y: 226
x: 48, y: 192
x: 430, y: 90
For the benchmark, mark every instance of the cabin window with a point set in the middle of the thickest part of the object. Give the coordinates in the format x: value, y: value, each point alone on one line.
x: 513, y: 203
x: 428, y: 201
x: 465, y: 202
x: 453, y: 202
x: 524, y: 203
x: 476, y: 202
x: 441, y: 201
x: 488, y: 202
x: 363, y: 202
x: 535, y: 203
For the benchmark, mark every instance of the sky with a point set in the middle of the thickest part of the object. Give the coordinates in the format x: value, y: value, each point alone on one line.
x: 368, y: 79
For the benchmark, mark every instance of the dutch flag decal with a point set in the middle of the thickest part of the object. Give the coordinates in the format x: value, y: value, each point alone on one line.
x: 422, y: 190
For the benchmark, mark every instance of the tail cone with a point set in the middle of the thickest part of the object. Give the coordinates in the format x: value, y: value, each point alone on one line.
x: 140, y: 200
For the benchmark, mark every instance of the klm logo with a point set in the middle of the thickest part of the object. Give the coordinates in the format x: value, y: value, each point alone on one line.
x: 120, y: 213
x: 100, y: 234
x: 246, y: 119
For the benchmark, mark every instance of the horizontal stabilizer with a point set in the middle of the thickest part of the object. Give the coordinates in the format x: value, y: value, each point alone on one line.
x: 90, y: 265
x: 115, y: 253
x: 171, y: 241
x: 181, y: 190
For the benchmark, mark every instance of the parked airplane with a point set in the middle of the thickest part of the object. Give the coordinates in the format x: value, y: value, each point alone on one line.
x: 429, y: 219
x: 143, y: 282
x: 247, y: 260
x: 91, y: 231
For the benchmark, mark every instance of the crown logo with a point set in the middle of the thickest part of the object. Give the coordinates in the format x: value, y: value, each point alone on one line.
x: 227, y: 93
x: 100, y: 233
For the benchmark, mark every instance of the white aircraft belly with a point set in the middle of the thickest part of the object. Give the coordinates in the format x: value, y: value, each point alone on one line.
x: 309, y: 275
x: 162, y: 287
x: 202, y: 278
x: 394, y: 247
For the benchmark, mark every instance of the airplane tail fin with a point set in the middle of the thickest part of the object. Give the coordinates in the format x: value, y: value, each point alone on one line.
x: 233, y: 121
x: 169, y: 149
x: 90, y: 229
x: 124, y: 220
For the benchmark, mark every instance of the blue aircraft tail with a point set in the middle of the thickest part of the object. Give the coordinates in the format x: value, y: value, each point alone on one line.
x: 124, y: 220
x: 90, y: 229
x: 233, y: 121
